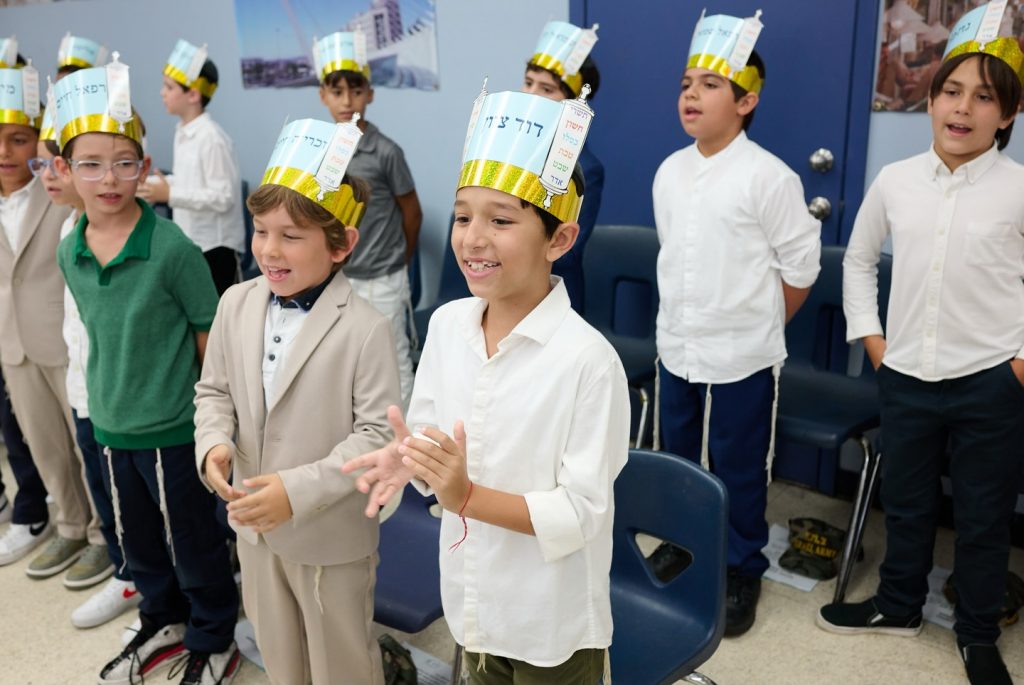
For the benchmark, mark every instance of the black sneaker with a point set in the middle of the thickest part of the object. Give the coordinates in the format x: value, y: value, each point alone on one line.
x: 984, y: 665
x: 741, y: 595
x: 864, y: 617
x: 203, y: 668
x: 152, y: 648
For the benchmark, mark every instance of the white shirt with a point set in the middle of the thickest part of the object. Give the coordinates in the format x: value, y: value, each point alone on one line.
x: 732, y: 227
x: 546, y: 417
x: 279, y: 332
x: 77, y: 340
x: 12, y: 213
x: 205, y: 188
x: 957, y: 301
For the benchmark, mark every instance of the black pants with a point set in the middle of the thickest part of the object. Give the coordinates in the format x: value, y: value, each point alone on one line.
x: 980, y: 417
x: 223, y: 263
x: 30, y: 500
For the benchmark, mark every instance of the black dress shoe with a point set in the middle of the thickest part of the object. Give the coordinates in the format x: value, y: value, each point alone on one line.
x: 741, y: 595
x: 984, y: 665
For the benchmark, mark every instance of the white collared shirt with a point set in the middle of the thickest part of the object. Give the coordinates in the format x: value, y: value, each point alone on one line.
x: 12, y: 213
x: 77, y: 340
x: 957, y: 300
x: 279, y: 332
x: 546, y: 417
x: 206, y: 191
x: 732, y: 227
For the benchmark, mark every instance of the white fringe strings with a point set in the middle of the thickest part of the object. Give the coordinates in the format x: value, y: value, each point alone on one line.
x: 116, y: 501
x: 705, y: 460
x: 776, y: 372
x: 163, y: 505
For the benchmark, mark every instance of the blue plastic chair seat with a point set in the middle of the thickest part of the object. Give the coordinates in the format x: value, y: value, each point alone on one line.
x: 825, y: 409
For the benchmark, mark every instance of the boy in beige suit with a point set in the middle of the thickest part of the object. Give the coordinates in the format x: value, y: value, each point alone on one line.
x: 297, y: 379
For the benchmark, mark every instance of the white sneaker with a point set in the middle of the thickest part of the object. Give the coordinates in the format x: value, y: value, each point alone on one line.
x: 116, y: 597
x: 150, y: 650
x: 208, y: 669
x: 6, y: 509
x: 131, y: 631
x: 20, y: 539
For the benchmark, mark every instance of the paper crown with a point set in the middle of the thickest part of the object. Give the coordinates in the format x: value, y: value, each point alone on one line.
x: 978, y: 31
x: 184, y: 65
x: 340, y: 51
x: 562, y: 48
x: 311, y: 157
x: 527, y: 146
x: 48, y: 130
x: 9, y: 53
x: 19, y: 97
x: 95, y: 100
x: 76, y: 51
x: 723, y: 44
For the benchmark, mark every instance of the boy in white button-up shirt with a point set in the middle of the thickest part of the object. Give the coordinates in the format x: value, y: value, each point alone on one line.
x: 950, y: 359
x: 739, y: 253
x: 205, y: 188
x: 523, y: 414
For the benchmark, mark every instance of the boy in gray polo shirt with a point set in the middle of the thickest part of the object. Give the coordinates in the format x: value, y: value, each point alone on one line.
x: 389, y: 229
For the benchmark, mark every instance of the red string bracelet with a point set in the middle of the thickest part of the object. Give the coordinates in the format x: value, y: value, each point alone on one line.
x: 465, y: 526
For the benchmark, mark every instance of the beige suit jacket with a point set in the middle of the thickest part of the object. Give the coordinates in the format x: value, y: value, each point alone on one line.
x: 339, y: 377
x: 32, y: 288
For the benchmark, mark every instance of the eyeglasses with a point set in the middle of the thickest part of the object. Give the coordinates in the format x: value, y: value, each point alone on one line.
x: 91, y: 170
x: 39, y: 165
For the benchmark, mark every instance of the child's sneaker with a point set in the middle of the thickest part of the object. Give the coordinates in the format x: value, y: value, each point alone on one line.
x: 152, y: 648
x: 116, y: 597
x: 864, y: 617
x: 55, y: 557
x: 6, y: 510
x: 131, y: 631
x: 210, y: 669
x: 20, y: 539
x: 92, y: 567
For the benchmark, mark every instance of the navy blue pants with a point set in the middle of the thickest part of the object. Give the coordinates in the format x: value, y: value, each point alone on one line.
x: 99, y: 489
x: 197, y: 588
x: 30, y: 500
x: 980, y: 417
x: 739, y: 435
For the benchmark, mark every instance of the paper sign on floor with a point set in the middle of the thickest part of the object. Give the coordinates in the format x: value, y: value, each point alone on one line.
x: 778, y: 543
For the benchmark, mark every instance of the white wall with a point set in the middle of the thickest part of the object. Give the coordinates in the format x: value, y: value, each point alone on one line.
x: 476, y: 38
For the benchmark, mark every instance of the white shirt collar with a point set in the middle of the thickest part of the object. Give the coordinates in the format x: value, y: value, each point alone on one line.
x: 191, y: 128
x: 973, y: 169
x: 539, y: 325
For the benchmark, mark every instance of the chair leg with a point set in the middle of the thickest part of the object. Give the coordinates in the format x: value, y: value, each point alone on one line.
x: 645, y: 404
x: 858, y: 517
x: 457, y: 665
x: 698, y: 678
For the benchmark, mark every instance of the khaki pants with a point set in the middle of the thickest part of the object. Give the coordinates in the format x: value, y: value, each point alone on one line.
x: 313, y: 624
x: 39, y: 398
x: 584, y: 667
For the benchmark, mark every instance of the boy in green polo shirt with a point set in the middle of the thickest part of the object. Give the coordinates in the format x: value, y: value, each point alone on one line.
x: 147, y: 300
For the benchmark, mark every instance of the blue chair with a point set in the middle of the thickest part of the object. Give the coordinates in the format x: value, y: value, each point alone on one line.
x: 620, y: 266
x: 247, y: 263
x: 820, y: 404
x: 665, y: 630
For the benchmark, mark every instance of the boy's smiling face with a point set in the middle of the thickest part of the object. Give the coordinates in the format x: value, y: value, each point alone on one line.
x: 116, y: 157
x: 502, y: 247
x: 708, y: 109
x: 17, y: 146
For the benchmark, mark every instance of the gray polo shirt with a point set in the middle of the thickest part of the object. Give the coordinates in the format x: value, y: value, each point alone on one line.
x: 381, y: 163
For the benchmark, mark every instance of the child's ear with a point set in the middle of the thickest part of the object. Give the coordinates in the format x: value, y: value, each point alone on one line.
x: 194, y: 96
x: 147, y: 163
x: 746, y: 104
x: 63, y: 169
x: 339, y: 255
x: 323, y: 93
x: 563, y: 240
x: 369, y: 93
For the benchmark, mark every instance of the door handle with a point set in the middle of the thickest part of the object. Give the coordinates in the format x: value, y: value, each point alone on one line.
x: 822, y: 160
x: 820, y: 208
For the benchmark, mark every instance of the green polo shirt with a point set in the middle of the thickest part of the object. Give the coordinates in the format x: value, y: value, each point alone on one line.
x: 141, y: 312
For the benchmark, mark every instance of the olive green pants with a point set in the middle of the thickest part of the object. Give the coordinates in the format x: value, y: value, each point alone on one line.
x: 584, y: 667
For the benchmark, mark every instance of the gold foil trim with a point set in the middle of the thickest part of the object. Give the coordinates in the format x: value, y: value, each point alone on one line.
x: 16, y: 116
x: 99, y: 123
x: 574, y: 81
x: 523, y: 184
x: 342, y: 203
x: 48, y: 133
x: 344, y: 65
x: 72, y: 61
x: 200, y: 84
x: 1006, y: 49
x: 748, y: 79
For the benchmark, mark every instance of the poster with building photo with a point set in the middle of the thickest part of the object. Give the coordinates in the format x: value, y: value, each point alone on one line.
x: 276, y: 40
x: 913, y: 38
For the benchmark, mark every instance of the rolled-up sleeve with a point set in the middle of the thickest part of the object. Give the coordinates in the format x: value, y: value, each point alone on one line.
x: 860, y: 266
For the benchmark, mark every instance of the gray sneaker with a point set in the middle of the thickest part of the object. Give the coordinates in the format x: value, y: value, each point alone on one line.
x: 56, y: 557
x: 91, y: 568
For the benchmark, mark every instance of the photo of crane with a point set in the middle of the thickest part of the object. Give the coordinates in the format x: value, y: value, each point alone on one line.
x: 276, y: 39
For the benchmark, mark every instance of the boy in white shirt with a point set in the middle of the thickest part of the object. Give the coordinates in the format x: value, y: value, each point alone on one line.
x: 205, y: 189
x: 950, y: 361
x: 739, y: 252
x: 525, y: 412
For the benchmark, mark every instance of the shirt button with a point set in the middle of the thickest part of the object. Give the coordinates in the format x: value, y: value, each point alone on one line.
x: 277, y: 338
x: 272, y: 357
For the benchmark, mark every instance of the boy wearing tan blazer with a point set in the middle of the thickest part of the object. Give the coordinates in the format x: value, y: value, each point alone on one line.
x: 297, y: 379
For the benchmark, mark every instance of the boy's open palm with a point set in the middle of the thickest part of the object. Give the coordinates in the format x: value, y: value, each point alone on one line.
x: 385, y: 473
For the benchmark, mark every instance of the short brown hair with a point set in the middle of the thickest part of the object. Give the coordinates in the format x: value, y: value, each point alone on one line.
x: 305, y: 212
x: 994, y: 73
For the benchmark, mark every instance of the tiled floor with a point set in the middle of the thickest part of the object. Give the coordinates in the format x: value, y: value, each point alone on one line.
x: 38, y: 645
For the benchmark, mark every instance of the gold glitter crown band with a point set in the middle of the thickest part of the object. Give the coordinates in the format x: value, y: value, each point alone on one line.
x: 342, y: 203
x: 978, y: 32
x: 1007, y: 49
x: 747, y: 78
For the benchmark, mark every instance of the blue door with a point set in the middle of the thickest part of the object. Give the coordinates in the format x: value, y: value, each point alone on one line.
x: 819, y: 58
